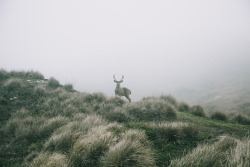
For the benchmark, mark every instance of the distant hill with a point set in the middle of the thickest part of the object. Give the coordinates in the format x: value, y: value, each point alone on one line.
x: 44, y: 123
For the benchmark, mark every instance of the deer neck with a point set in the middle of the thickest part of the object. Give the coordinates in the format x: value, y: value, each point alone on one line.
x: 118, y: 86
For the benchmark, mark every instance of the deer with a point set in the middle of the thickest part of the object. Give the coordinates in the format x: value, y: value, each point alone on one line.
x: 121, y: 91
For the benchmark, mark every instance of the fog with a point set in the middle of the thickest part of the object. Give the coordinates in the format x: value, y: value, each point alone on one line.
x: 159, y: 46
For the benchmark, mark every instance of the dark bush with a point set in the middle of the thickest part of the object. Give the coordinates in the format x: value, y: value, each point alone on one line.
x: 219, y: 116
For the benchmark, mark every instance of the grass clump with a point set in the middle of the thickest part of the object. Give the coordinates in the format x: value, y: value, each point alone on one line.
x: 68, y: 87
x: 170, y: 99
x: 50, y: 160
x: 242, y: 119
x: 13, y: 84
x: 197, y: 110
x: 53, y: 83
x: 152, y: 109
x: 240, y: 155
x: 132, y: 150
x: 207, y: 155
x: 117, y: 101
x: 175, y: 131
x: 117, y: 115
x: 183, y: 107
x: 88, y: 150
x: 219, y: 116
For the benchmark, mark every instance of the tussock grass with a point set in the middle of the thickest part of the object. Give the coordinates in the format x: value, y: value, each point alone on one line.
x: 117, y: 101
x: 242, y: 119
x: 13, y: 84
x: 61, y: 142
x: 207, y: 155
x: 68, y: 87
x: 3, y: 74
x: 132, y: 150
x: 197, y: 110
x: 183, y: 107
x: 240, y: 156
x: 24, y: 129
x: 87, y: 151
x: 40, y: 90
x: 50, y: 160
x: 53, y: 83
x: 65, y: 137
x: 219, y: 116
x: 152, y: 109
x: 26, y: 74
x: 175, y: 131
x: 51, y: 125
x: 170, y: 99
x: 117, y: 115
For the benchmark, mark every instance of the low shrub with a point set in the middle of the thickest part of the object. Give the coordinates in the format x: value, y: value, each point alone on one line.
x: 219, y: 116
x: 197, y: 110
x: 53, y: 83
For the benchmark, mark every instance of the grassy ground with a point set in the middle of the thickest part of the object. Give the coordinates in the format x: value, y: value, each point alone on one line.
x: 44, y: 123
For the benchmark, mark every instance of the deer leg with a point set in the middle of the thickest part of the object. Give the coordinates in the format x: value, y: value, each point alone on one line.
x: 128, y: 98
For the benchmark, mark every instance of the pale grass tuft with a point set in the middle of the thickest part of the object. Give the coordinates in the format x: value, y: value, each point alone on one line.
x: 50, y: 160
x: 240, y: 156
x: 88, y: 150
x: 207, y: 155
x: 131, y: 151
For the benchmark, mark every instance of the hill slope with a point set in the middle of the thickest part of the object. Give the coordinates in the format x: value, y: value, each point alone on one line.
x: 44, y: 123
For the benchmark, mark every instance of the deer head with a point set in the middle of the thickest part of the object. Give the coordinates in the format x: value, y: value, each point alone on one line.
x: 121, y: 91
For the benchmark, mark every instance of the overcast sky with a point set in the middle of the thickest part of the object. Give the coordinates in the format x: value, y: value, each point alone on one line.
x: 157, y: 45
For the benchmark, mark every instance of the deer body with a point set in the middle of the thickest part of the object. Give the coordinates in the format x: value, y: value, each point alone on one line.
x: 122, y: 91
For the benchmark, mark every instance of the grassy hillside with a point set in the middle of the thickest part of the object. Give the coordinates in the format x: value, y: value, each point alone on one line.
x: 44, y: 123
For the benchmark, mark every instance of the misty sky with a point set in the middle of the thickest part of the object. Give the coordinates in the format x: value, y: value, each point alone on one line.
x: 157, y: 45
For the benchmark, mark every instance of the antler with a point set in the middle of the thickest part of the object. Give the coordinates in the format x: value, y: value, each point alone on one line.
x: 120, y: 80
x: 114, y: 77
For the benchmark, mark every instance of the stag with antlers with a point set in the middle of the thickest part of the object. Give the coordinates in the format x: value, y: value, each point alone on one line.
x: 121, y: 91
